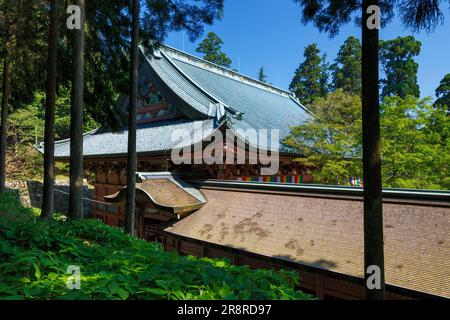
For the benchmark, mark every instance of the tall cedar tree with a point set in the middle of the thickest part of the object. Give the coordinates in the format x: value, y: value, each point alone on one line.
x: 76, y: 121
x: 17, y: 46
x: 443, y: 93
x: 4, y: 119
x: 106, y: 62
x: 262, y: 75
x: 49, y: 135
x: 107, y: 44
x: 310, y: 80
x: 372, y: 177
x: 328, y: 16
x: 8, y: 23
x: 153, y: 19
x: 400, y: 69
x: 346, y: 71
x: 211, y: 47
x: 132, y: 158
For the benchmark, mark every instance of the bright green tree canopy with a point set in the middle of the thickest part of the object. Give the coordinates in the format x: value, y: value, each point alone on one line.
x: 415, y: 142
x: 331, y: 140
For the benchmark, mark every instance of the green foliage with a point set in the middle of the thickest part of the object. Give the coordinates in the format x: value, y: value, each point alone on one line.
x: 26, y: 129
x: 346, y: 71
x: 331, y: 141
x: 415, y: 142
x: 443, y: 93
x: 397, y: 58
x: 107, y: 46
x: 311, y: 77
x: 160, y: 17
x: 211, y: 47
x: 23, y: 26
x: 24, y: 32
x: 27, y: 123
x: 35, y: 254
x: 329, y: 15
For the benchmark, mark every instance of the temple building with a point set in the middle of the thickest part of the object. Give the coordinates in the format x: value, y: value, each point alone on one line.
x: 188, y: 103
x: 216, y: 180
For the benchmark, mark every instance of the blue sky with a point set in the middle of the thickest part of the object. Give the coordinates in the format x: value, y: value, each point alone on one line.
x: 269, y: 33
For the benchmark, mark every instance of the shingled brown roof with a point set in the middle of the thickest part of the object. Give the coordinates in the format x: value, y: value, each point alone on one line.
x: 165, y: 192
x: 328, y: 233
x: 168, y: 193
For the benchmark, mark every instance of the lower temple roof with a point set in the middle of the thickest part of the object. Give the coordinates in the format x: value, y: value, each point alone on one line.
x: 166, y: 192
x: 155, y: 138
x: 327, y: 233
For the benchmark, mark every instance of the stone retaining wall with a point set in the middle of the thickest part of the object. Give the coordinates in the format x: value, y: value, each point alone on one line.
x: 31, y: 195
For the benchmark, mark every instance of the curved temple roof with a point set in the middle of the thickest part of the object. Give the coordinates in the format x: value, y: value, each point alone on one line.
x: 166, y: 192
x: 262, y: 106
x: 201, y: 92
x: 155, y: 138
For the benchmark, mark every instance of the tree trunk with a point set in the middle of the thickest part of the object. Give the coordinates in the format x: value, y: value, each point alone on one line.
x: 76, y: 122
x: 49, y: 139
x: 132, y: 159
x: 4, y: 120
x: 373, y: 206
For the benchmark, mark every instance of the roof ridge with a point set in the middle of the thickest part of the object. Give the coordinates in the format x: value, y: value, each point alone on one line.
x: 202, y: 89
x: 247, y: 79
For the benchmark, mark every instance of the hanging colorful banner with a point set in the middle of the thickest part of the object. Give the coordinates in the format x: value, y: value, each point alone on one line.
x: 297, y: 179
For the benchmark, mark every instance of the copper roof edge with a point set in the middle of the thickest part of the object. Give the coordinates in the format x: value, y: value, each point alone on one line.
x: 408, y: 196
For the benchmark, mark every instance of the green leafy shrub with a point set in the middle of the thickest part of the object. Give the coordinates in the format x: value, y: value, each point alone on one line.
x: 35, y: 254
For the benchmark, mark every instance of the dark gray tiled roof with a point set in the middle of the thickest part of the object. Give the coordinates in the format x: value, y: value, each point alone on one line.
x: 261, y: 108
x: 179, y: 84
x: 152, y: 139
x: 199, y: 90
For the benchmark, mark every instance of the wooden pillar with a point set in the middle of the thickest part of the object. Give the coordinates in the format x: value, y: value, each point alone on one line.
x: 319, y: 286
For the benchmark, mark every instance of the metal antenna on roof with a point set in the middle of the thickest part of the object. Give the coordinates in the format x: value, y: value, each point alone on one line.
x: 183, y: 41
x: 239, y: 65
